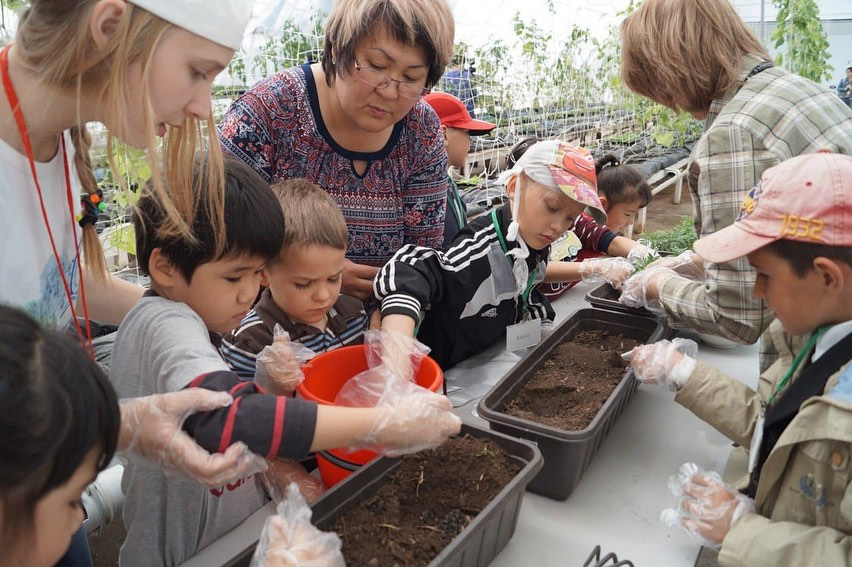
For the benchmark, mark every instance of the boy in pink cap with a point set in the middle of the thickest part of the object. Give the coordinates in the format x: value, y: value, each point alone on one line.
x: 795, y: 505
x: 457, y: 126
x: 463, y: 299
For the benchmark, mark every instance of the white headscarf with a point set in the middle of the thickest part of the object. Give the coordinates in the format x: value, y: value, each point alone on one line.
x: 221, y: 21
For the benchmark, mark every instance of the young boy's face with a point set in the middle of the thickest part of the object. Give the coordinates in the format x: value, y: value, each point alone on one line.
x: 458, y: 144
x: 305, y: 281
x: 795, y: 300
x: 544, y: 214
x: 220, y: 292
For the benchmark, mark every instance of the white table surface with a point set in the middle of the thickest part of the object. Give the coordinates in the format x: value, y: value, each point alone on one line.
x: 618, y: 501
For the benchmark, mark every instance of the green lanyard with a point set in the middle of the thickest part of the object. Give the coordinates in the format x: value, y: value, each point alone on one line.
x: 798, y: 360
x: 526, y: 295
x: 455, y: 204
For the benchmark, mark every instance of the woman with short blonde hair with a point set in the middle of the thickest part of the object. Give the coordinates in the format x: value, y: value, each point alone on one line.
x: 699, y: 56
x: 355, y: 126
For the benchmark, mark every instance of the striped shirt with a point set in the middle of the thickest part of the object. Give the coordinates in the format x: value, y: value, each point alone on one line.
x: 347, y: 322
x: 759, y: 122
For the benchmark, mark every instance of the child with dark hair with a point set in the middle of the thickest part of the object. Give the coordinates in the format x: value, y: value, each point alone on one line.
x: 303, y: 283
x: 60, y: 421
x: 795, y: 505
x: 169, y: 342
x: 622, y: 191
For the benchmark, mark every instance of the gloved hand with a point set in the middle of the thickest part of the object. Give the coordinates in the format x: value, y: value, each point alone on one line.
x: 282, y: 473
x: 279, y: 365
x: 642, y: 289
x: 289, y: 539
x: 611, y: 270
x: 687, y: 264
x: 706, y: 507
x: 151, y: 428
x: 641, y: 252
x: 411, y: 419
x: 667, y: 363
x: 398, y: 352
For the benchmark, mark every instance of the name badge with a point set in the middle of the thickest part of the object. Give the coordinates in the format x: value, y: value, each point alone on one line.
x: 523, y: 335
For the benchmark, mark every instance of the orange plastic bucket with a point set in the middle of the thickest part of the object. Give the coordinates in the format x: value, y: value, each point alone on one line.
x: 325, y: 375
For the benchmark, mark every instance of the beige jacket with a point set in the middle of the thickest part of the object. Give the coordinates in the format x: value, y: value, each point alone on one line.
x: 804, y: 495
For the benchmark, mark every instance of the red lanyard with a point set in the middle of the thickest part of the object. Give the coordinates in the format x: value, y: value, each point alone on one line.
x: 85, y: 337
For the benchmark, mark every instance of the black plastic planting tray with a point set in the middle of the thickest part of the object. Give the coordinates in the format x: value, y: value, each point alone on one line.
x: 567, y: 454
x: 606, y: 297
x: 480, y: 542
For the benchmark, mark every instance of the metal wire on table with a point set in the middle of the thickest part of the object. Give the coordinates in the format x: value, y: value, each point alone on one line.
x: 595, y: 560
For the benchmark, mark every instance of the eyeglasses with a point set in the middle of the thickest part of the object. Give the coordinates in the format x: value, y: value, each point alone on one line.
x: 379, y: 80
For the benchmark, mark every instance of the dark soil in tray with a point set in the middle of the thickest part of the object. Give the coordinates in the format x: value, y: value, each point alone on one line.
x: 425, y: 503
x: 574, y: 383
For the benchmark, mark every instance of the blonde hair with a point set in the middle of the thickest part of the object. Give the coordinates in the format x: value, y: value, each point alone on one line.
x: 684, y: 53
x: 427, y: 24
x: 310, y: 215
x: 53, y: 41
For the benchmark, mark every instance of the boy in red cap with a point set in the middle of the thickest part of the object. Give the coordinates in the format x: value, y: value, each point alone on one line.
x: 795, y: 505
x: 457, y: 127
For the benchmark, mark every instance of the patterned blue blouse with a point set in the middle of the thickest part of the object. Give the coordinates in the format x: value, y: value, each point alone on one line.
x: 276, y: 128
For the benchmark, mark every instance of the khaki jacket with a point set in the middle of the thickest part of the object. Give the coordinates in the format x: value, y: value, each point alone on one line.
x: 804, y: 495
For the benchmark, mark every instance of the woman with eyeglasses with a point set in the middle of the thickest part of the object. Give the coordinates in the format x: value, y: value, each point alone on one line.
x: 355, y: 125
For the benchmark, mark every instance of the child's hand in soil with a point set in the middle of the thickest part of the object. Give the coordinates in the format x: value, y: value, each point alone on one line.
x: 278, y: 369
x: 415, y: 421
x: 642, y: 289
x: 290, y: 540
x: 706, y: 507
x: 667, y: 363
x: 282, y: 472
x: 611, y: 270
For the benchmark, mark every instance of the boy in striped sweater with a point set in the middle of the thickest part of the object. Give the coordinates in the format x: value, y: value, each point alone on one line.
x: 303, y: 284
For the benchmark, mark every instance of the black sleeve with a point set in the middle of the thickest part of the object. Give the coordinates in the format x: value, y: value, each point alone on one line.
x: 273, y: 426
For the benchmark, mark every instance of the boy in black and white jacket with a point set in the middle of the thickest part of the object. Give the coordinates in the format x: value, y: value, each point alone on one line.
x: 464, y: 298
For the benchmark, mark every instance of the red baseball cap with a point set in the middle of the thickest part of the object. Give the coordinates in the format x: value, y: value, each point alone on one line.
x: 805, y: 198
x: 453, y: 114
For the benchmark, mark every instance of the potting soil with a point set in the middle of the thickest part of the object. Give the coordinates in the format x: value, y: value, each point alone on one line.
x: 425, y: 503
x: 574, y: 383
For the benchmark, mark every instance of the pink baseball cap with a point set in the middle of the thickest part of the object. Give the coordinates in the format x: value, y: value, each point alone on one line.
x: 805, y: 198
x: 454, y: 114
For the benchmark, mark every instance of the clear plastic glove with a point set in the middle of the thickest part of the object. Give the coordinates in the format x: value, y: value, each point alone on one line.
x: 706, y: 507
x: 412, y: 418
x: 687, y: 264
x: 642, y: 252
x: 281, y: 473
x: 642, y: 289
x: 667, y: 363
x: 611, y: 270
x: 400, y: 353
x: 279, y: 365
x: 151, y: 428
x: 289, y: 539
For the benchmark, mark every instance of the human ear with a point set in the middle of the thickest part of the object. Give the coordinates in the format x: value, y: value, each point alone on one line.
x: 162, y: 271
x: 511, y: 184
x: 444, y: 133
x: 831, y: 275
x: 264, y: 277
x: 105, y: 20
x: 604, y: 202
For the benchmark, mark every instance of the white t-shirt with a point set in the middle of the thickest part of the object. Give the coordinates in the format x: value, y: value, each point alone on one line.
x: 29, y: 276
